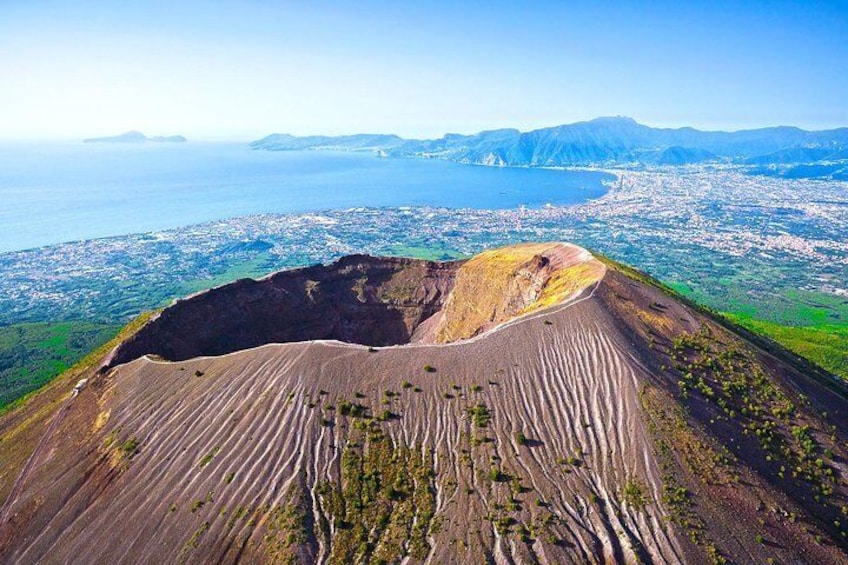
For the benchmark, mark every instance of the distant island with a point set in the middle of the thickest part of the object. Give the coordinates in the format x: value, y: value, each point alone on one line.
x: 136, y: 137
x: 610, y: 142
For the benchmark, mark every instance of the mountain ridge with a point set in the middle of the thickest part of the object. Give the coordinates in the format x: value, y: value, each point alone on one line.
x: 610, y: 141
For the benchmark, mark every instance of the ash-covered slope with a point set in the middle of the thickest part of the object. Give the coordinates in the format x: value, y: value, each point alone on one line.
x: 591, y: 418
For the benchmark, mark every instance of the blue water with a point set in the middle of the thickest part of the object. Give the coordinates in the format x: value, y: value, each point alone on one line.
x: 52, y: 193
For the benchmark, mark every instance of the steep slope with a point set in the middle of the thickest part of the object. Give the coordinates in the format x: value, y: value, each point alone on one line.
x: 497, y: 285
x: 592, y: 417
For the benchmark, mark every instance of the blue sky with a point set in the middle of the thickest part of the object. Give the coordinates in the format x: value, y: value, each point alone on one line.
x: 243, y: 69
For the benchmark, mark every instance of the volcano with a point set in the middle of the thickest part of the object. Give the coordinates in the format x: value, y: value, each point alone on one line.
x: 532, y: 404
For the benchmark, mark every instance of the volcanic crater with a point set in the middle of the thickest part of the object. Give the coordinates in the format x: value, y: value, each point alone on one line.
x: 369, y: 301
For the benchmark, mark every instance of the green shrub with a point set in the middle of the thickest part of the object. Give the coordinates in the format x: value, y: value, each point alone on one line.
x: 207, y: 458
x: 633, y: 495
x: 480, y: 415
x: 129, y: 448
x: 496, y: 476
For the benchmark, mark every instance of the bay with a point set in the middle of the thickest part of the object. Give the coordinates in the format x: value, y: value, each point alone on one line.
x: 57, y: 192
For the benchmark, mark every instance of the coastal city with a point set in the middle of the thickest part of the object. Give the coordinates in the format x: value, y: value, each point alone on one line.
x: 704, y: 231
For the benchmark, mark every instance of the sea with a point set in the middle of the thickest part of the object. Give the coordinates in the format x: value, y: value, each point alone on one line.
x: 57, y: 192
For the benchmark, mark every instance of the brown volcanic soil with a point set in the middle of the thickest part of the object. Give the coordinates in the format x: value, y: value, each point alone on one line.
x: 562, y: 435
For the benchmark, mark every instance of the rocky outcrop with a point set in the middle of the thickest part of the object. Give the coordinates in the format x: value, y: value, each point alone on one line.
x: 499, y: 285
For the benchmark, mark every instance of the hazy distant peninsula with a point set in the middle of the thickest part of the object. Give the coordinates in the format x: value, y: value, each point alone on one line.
x: 136, y: 137
x: 610, y: 142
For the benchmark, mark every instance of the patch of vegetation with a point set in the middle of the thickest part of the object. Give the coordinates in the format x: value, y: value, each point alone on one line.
x: 504, y: 523
x: 87, y: 363
x: 793, y: 307
x: 287, y: 527
x: 129, y: 448
x: 383, y: 506
x: 668, y: 427
x: 428, y: 253
x: 208, y: 457
x: 192, y: 542
x: 474, y: 441
x: 498, y: 476
x: 824, y: 345
x: 33, y: 354
x: 633, y: 495
x: 386, y: 415
x: 354, y: 410
x: 255, y: 267
x: 732, y: 380
x: 480, y: 415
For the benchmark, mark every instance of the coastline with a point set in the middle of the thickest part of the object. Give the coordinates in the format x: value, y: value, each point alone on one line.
x: 116, y: 190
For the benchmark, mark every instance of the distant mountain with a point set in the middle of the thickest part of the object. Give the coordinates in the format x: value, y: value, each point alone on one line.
x: 135, y: 137
x: 824, y: 170
x: 793, y: 155
x: 675, y: 156
x: 599, y: 142
x: 841, y: 155
x: 168, y: 138
x: 286, y: 142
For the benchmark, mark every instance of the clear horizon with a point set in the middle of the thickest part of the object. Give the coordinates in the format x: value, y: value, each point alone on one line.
x: 240, y: 71
x: 223, y: 138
